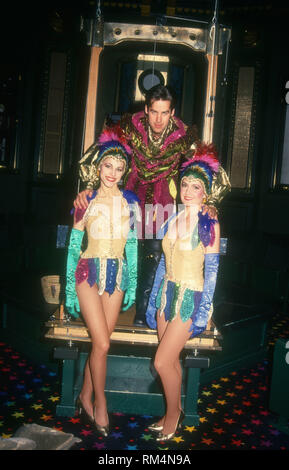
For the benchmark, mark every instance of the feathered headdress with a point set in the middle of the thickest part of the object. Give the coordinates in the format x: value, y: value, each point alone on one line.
x: 203, y: 165
x: 112, y: 143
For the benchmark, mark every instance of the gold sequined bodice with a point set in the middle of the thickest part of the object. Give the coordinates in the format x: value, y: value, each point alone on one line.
x: 184, y: 265
x: 107, y: 227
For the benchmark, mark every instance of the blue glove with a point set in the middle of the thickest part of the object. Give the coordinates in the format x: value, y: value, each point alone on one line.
x: 71, y: 300
x: 200, y: 320
x: 151, y: 307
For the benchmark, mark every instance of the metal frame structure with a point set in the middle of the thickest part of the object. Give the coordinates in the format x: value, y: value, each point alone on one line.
x: 208, y: 38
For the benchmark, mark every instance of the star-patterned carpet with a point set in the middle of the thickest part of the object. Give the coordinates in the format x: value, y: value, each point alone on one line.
x: 233, y: 410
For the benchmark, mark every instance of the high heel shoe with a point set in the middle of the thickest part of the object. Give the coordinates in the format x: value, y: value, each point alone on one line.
x: 168, y: 437
x: 155, y: 427
x: 103, y: 430
x: 82, y: 411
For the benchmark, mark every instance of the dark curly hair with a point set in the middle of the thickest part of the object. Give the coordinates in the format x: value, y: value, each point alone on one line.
x: 160, y: 92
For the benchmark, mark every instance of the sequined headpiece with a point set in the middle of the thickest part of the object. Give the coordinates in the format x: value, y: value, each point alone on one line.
x: 202, y: 166
x: 112, y: 143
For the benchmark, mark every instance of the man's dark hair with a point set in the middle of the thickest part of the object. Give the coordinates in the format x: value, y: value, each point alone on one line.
x: 160, y: 92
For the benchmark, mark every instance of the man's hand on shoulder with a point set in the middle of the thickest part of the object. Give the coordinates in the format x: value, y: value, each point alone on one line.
x: 81, y: 201
x: 211, y: 210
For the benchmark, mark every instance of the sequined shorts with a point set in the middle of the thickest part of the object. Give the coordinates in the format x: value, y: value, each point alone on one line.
x: 109, y: 274
x: 174, y: 298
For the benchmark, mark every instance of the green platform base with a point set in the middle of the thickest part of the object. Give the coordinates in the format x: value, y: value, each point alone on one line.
x: 131, y: 386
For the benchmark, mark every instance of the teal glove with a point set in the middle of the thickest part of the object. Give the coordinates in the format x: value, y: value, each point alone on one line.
x: 71, y: 300
x: 131, y: 258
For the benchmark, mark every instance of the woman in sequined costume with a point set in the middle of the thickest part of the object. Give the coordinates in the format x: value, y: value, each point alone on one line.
x: 104, y: 270
x: 180, y: 302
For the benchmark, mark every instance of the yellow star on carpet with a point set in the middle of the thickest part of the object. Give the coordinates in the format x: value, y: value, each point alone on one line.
x: 231, y: 394
x: 6, y: 436
x: 212, y: 410
x: 199, y: 400
x: 221, y: 402
x: 207, y: 393
x: 37, y: 407
x: 53, y: 398
x: 203, y: 420
x: 190, y: 428
x: 224, y: 379
x: 18, y: 415
x: 216, y: 386
x: 178, y: 439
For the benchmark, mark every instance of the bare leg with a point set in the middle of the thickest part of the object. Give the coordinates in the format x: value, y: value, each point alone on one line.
x: 162, y: 325
x: 161, y: 328
x: 87, y: 390
x: 111, y: 305
x: 99, y: 321
x: 168, y: 366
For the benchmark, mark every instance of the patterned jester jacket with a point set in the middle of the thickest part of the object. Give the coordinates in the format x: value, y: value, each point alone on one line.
x: 155, y: 163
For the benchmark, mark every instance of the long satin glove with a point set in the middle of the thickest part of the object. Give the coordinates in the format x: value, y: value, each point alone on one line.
x: 151, y: 308
x: 71, y: 301
x: 202, y: 316
x: 131, y: 257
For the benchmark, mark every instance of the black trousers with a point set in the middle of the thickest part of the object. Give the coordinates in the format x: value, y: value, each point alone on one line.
x: 149, y: 253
